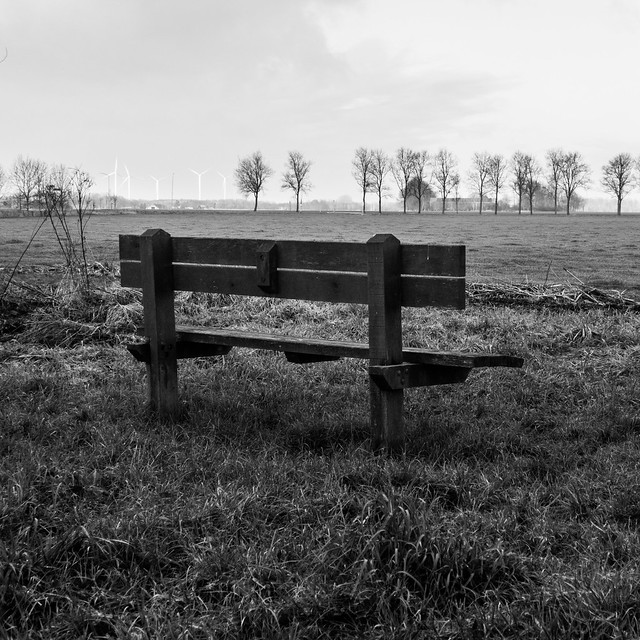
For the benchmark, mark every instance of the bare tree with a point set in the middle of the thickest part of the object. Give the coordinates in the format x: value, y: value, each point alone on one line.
x: 456, y: 192
x: 251, y: 174
x: 574, y: 174
x: 497, y: 177
x: 554, y: 173
x: 532, y: 179
x: 419, y: 186
x: 402, y: 168
x: 519, y: 176
x: 381, y: 166
x: 479, y: 174
x: 80, y: 186
x: 3, y: 179
x: 618, y: 177
x: 27, y: 176
x: 445, y: 174
x: 55, y: 195
x: 362, y: 171
x: 295, y: 178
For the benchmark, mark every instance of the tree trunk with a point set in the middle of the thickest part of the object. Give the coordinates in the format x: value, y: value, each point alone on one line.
x: 481, y: 196
x: 568, y: 204
x: 619, y: 206
x: 255, y: 204
x: 444, y: 204
x: 297, y: 201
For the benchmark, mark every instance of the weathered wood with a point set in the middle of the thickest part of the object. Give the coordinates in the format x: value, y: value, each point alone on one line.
x: 318, y: 286
x: 308, y: 358
x: 406, y: 376
x: 159, y: 320
x: 267, y: 267
x: 142, y: 352
x: 314, y: 255
x: 335, y: 348
x: 382, y: 273
x: 385, y: 340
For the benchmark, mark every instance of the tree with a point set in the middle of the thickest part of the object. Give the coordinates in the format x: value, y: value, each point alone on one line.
x: 554, y: 163
x: 445, y: 174
x: 362, y: 171
x: 479, y: 174
x: 574, y: 174
x: 419, y: 185
x: 519, y: 176
x: 62, y: 189
x: 80, y: 194
x: 456, y: 192
x: 251, y: 174
x: 27, y: 176
x: 381, y: 166
x: 497, y: 177
x: 617, y: 177
x: 402, y: 168
x: 295, y: 177
x: 532, y: 172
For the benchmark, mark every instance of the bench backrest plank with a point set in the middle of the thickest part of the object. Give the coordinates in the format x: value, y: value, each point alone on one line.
x: 431, y: 275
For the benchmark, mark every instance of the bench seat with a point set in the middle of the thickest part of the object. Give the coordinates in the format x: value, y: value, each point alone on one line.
x: 194, y: 341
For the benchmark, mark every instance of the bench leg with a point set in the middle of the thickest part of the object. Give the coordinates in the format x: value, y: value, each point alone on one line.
x: 387, y: 425
x: 159, y: 321
x: 385, y: 339
x: 162, y: 377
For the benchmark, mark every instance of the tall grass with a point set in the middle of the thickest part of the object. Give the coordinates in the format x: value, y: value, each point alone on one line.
x: 515, y: 512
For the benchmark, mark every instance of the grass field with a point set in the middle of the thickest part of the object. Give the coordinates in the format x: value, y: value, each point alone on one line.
x: 260, y: 513
x: 598, y: 249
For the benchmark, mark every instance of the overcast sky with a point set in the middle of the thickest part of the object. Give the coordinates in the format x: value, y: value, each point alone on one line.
x: 168, y: 85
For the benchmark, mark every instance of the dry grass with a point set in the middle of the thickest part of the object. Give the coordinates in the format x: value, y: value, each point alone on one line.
x: 515, y: 512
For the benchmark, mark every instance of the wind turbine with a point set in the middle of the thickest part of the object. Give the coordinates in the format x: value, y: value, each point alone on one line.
x: 157, y: 181
x: 128, y: 181
x: 224, y: 186
x: 114, y: 173
x: 199, y: 181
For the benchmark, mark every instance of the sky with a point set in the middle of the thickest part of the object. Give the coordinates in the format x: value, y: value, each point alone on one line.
x: 165, y: 86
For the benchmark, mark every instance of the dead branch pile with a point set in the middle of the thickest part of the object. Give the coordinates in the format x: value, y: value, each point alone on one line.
x: 560, y: 296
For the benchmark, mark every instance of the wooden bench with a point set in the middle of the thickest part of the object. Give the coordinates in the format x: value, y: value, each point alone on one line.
x: 381, y: 273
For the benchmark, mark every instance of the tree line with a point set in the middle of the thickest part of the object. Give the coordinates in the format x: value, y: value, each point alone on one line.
x: 34, y: 182
x: 419, y: 176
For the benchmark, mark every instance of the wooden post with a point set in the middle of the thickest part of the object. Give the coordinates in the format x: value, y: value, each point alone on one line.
x: 159, y: 321
x: 385, y: 339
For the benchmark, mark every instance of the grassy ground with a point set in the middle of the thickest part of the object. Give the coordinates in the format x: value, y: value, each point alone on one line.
x: 515, y: 512
x: 600, y: 250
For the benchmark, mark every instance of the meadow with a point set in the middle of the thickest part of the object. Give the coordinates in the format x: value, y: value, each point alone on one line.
x: 513, y: 513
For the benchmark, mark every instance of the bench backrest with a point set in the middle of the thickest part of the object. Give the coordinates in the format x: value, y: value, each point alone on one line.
x: 428, y: 275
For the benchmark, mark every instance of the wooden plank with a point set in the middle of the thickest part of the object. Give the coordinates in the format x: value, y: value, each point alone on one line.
x: 416, y: 259
x: 434, y: 260
x: 319, y: 286
x: 336, y: 348
x: 385, y: 340
x: 159, y: 321
x: 142, y: 352
x: 405, y: 376
x: 267, y: 267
